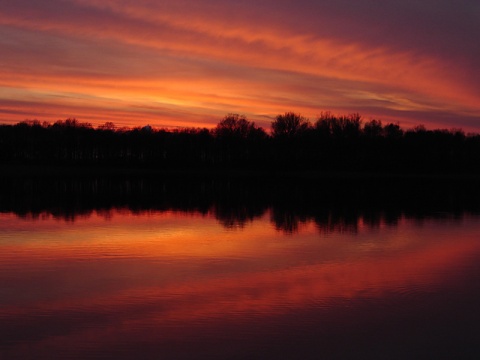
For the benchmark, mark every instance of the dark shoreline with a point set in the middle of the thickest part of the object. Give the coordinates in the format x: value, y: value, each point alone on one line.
x: 332, y: 148
x: 10, y: 171
x: 236, y: 196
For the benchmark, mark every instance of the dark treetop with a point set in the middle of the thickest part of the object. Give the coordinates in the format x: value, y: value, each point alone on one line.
x: 332, y: 144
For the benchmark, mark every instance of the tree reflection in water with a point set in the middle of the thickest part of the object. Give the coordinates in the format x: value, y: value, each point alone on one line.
x: 339, y: 204
x: 176, y: 286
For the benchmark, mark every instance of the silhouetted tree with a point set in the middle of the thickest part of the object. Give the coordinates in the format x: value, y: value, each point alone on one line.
x: 235, y: 126
x: 335, y: 143
x: 339, y: 127
x: 110, y: 126
x: 339, y: 141
x: 373, y: 129
x: 238, y: 141
x: 393, y: 131
x: 289, y: 124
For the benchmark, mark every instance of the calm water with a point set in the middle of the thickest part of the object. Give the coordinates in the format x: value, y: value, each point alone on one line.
x: 167, y: 284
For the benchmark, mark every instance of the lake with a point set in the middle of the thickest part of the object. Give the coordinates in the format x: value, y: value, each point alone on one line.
x: 234, y: 278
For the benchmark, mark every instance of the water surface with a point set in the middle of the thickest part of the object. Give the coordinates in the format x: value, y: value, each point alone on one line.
x: 279, y: 284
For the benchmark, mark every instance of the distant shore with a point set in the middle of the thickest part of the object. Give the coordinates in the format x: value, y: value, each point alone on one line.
x: 13, y: 171
x: 333, y: 147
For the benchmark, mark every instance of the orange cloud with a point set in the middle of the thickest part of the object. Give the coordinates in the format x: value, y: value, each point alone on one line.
x: 209, y: 63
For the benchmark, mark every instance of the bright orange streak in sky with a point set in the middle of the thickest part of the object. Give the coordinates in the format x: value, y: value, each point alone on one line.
x: 140, y: 62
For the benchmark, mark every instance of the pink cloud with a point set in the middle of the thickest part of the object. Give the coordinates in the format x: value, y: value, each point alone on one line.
x: 214, y: 58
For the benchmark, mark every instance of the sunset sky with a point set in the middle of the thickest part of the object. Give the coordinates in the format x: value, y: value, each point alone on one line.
x: 188, y: 63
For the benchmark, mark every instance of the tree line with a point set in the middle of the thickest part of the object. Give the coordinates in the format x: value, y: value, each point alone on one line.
x: 330, y: 144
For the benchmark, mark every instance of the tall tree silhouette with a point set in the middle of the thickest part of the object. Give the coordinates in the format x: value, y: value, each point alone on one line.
x: 235, y: 126
x: 289, y: 124
x: 334, y: 143
x: 239, y: 141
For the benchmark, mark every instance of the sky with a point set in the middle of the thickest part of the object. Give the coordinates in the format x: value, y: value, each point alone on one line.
x: 188, y: 63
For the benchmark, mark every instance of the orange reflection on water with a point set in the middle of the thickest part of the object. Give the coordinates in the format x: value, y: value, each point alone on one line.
x: 114, y: 278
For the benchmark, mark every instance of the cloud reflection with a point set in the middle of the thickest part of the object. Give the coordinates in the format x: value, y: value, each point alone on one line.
x: 151, y: 280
